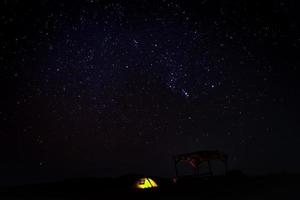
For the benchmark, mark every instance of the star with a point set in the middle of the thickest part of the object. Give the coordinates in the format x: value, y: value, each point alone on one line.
x: 185, y: 93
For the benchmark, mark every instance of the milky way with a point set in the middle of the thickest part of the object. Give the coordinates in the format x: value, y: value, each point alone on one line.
x: 116, y: 85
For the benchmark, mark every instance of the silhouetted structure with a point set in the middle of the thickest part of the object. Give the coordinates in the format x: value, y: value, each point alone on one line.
x: 198, y: 157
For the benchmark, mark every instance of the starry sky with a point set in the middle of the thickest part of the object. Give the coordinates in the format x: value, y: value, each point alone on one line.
x: 105, y: 88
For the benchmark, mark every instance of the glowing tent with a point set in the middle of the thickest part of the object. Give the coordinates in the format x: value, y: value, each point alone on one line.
x: 144, y: 183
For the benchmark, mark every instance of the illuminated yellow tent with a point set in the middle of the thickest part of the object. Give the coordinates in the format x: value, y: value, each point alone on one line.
x: 144, y: 183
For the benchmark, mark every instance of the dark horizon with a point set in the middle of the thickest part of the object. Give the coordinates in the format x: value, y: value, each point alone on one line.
x: 107, y: 88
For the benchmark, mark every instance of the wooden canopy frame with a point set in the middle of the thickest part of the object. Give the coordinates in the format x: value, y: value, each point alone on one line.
x: 198, y: 157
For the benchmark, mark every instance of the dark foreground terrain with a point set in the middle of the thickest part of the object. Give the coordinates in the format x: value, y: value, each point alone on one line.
x: 238, y: 186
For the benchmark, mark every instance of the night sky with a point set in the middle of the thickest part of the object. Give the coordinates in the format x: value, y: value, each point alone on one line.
x: 105, y: 88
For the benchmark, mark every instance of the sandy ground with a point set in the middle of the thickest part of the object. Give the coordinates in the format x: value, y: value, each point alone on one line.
x: 268, y: 187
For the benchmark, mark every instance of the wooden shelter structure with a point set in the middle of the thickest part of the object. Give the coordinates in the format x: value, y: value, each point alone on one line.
x: 199, y: 157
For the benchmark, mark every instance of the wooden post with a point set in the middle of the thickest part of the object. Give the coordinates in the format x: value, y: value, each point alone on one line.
x: 226, y: 166
x: 209, y: 166
x: 195, y: 170
x: 175, y: 165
